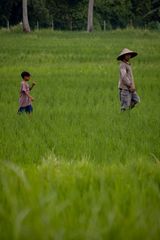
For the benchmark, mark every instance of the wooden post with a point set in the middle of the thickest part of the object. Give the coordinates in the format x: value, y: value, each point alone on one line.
x: 104, y: 28
x: 26, y: 27
x: 37, y: 25
x: 8, y: 25
x: 52, y: 24
x: 90, y: 16
x: 71, y: 24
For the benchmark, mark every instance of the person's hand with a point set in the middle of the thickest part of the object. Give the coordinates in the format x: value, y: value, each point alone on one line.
x: 132, y: 90
x: 34, y: 83
x: 31, y: 98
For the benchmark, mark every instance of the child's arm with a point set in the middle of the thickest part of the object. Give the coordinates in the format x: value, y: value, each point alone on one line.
x: 33, y: 84
x: 25, y: 90
x: 30, y: 97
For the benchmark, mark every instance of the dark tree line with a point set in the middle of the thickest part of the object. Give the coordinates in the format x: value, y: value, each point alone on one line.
x: 73, y: 14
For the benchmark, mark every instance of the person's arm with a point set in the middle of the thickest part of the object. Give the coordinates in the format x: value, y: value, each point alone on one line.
x: 33, y: 84
x: 123, y: 74
x: 30, y: 97
x: 26, y: 92
x: 132, y: 89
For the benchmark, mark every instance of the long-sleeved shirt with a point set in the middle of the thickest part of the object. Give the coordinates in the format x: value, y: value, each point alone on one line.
x: 126, y: 79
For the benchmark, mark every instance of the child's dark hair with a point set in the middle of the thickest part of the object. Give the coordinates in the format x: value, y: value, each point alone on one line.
x: 25, y: 74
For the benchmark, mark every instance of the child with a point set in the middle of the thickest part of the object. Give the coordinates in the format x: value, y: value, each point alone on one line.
x: 127, y: 90
x: 25, y: 99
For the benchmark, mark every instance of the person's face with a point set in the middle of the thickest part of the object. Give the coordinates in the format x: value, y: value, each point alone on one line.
x: 127, y: 56
x: 26, y: 78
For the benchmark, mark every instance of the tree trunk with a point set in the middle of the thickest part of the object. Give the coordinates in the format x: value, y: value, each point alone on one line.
x: 26, y: 27
x: 90, y: 16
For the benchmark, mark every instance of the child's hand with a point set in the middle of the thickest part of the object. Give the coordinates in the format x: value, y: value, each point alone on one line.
x: 31, y: 98
x: 33, y: 84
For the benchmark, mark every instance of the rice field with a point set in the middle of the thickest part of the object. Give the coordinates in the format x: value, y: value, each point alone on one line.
x: 78, y: 168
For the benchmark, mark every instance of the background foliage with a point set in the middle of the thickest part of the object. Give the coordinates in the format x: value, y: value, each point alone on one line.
x: 72, y: 14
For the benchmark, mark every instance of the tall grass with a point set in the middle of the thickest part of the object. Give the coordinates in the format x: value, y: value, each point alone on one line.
x: 80, y: 200
x: 78, y: 168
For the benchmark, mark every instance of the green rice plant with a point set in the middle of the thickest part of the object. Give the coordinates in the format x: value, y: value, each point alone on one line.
x: 78, y: 168
x: 80, y: 200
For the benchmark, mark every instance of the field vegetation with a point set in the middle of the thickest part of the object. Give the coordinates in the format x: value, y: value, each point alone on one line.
x: 78, y: 168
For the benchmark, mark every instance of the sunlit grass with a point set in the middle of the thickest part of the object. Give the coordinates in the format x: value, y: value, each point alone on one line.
x: 78, y: 168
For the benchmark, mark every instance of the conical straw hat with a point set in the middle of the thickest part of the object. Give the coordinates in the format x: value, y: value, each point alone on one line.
x: 126, y: 51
